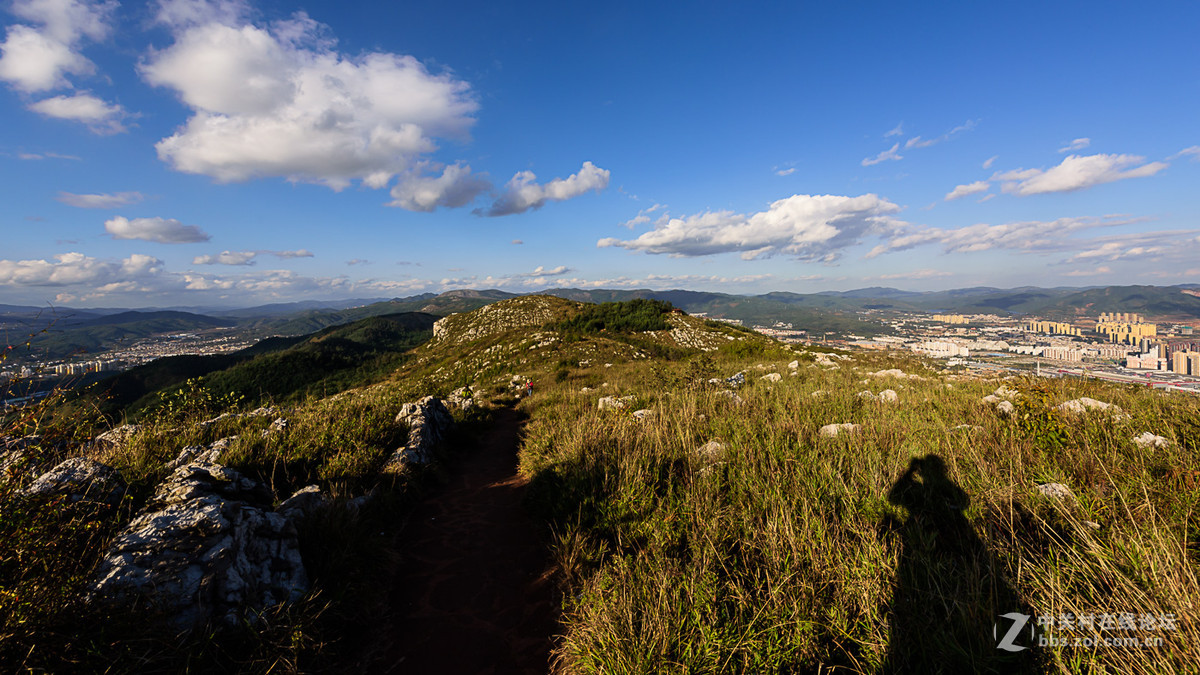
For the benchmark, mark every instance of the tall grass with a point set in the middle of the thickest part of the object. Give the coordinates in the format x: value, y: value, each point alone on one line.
x: 896, y: 548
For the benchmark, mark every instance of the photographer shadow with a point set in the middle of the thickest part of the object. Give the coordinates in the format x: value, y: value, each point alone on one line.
x: 949, y: 589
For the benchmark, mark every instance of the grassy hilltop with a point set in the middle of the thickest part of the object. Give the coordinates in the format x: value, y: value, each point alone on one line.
x: 722, y: 530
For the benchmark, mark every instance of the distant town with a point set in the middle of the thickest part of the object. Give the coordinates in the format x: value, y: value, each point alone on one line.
x: 1122, y: 347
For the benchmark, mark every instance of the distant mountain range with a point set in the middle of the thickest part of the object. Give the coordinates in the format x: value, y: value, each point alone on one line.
x: 58, y: 332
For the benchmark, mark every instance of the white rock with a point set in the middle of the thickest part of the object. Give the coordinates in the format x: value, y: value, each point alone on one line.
x: 794, y: 365
x: 1149, y: 440
x: 642, y: 414
x: 1006, y: 408
x: 831, y: 430
x: 614, y: 402
x: 1082, y: 405
x: 889, y: 396
x: 772, y: 377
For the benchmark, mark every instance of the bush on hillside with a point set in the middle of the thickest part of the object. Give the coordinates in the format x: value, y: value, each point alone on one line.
x: 633, y: 316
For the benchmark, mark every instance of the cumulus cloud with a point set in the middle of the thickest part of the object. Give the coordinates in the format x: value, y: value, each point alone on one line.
x: 100, y: 201
x: 522, y: 193
x: 101, y: 117
x: 968, y: 189
x: 37, y: 57
x: 810, y: 227
x: 161, y: 230
x: 76, y: 269
x: 454, y: 188
x: 1077, y: 144
x: 889, y: 154
x: 1077, y: 172
x: 541, y: 271
x: 248, y: 257
x: 280, y: 101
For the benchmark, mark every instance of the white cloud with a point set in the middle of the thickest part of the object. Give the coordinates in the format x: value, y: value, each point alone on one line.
x: 227, y: 258
x: 785, y: 172
x: 38, y: 57
x: 642, y: 217
x: 1089, y: 272
x: 248, y: 257
x: 358, y: 261
x: 918, y: 142
x: 280, y: 102
x: 454, y: 188
x: 100, y: 201
x: 76, y: 269
x: 927, y: 273
x: 884, y: 156
x: 987, y: 163
x: 898, y: 130
x: 522, y: 193
x: 986, y: 198
x: 1076, y: 173
x: 100, y: 116
x: 1193, y: 152
x: 161, y: 230
x: 46, y: 155
x: 807, y: 226
x: 967, y: 190
x: 1033, y: 236
x: 517, y: 242
x: 1077, y: 144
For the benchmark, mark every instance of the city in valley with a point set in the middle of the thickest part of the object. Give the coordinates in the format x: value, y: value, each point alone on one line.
x: 1117, y: 346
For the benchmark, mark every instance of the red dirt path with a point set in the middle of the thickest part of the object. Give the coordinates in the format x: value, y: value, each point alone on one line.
x: 473, y: 593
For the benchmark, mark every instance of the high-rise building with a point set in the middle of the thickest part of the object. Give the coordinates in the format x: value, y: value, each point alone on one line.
x: 1120, y: 329
x: 1052, y: 327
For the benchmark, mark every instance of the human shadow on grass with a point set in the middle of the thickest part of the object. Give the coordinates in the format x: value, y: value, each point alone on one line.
x: 949, y: 589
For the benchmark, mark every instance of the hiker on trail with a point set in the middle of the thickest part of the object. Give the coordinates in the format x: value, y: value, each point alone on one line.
x: 529, y: 388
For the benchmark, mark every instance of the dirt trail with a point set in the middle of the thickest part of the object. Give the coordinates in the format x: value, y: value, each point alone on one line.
x: 473, y: 593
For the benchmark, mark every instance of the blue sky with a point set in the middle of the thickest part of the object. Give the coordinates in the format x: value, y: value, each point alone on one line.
x: 225, y: 153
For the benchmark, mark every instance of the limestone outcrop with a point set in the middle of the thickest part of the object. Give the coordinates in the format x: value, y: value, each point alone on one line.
x: 427, y: 421
x: 207, y: 547
x: 80, y: 480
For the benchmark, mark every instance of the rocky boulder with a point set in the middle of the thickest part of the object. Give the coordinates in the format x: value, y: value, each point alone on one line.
x: 427, y: 421
x: 80, y: 480
x: 1085, y: 404
x: 207, y: 547
x: 833, y: 430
